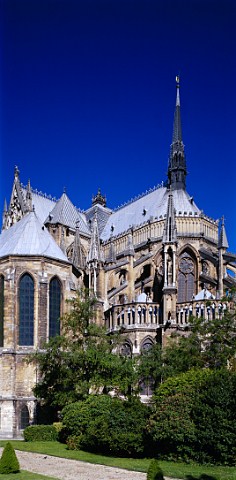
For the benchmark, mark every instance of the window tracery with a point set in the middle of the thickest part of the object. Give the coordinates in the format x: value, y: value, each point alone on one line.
x: 186, y: 278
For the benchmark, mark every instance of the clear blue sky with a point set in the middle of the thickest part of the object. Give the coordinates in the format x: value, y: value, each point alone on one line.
x: 88, y: 95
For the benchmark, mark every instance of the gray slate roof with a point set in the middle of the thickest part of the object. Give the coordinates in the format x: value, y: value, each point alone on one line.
x: 29, y: 237
x: 65, y: 213
x: 102, y: 213
x: 153, y: 204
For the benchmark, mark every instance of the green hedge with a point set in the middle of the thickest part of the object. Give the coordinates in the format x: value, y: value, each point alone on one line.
x: 43, y: 433
x: 106, y: 425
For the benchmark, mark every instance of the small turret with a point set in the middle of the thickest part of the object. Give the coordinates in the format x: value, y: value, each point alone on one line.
x: 99, y: 199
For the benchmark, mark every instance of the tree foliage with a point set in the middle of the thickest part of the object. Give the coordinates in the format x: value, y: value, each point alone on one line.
x: 82, y: 359
x: 107, y: 425
x: 207, y: 343
x: 194, y: 416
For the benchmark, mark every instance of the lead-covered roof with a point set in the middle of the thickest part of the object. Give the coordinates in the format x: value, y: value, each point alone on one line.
x: 29, y: 237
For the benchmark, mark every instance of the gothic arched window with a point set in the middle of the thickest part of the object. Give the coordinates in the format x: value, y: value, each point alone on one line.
x: 126, y: 350
x: 186, y: 278
x: 1, y: 310
x: 146, y: 345
x: 24, y: 417
x: 26, y: 310
x: 146, y: 386
x: 54, y: 307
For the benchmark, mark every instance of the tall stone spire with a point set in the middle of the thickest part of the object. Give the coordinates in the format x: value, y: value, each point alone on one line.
x: 177, y: 164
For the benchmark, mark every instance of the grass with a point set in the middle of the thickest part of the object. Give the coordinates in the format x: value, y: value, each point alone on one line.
x: 24, y: 475
x: 171, y: 469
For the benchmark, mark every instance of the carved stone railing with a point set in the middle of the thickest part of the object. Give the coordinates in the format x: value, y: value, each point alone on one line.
x: 208, y: 309
x: 136, y: 314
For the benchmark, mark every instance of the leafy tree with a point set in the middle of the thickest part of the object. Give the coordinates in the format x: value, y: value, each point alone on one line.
x: 9, y: 462
x: 208, y: 343
x: 150, y: 365
x: 82, y: 359
x: 194, y: 416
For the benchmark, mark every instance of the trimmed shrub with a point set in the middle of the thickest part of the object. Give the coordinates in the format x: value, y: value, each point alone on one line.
x: 154, y: 471
x: 42, y: 433
x: 9, y: 462
x: 107, y: 425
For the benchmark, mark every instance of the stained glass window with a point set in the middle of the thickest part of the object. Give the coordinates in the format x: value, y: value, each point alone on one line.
x: 26, y: 310
x: 54, y: 307
x: 1, y: 309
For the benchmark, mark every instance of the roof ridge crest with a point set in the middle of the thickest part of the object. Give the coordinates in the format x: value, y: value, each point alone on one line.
x: 141, y: 195
x: 40, y: 193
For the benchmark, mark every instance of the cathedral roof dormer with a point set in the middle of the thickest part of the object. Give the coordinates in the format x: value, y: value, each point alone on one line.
x: 177, y: 164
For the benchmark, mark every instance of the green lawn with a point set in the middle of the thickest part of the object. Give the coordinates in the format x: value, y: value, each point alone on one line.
x: 171, y: 469
x: 23, y: 475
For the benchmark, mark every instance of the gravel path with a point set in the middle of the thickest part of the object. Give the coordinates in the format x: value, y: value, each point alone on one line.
x: 64, y: 469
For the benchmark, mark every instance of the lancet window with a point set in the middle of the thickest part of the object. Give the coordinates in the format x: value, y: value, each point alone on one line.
x: 54, y: 307
x: 24, y: 417
x: 26, y: 310
x: 186, y: 278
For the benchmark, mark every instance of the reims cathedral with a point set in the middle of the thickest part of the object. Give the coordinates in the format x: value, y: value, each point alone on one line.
x: 151, y: 264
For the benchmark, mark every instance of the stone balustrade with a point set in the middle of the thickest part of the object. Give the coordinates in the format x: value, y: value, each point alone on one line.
x: 130, y: 314
x: 205, y: 309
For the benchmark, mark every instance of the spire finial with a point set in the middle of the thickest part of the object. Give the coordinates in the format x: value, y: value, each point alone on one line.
x: 177, y: 78
x: 17, y: 172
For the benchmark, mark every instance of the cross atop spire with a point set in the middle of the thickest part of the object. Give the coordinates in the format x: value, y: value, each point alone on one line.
x: 177, y: 165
